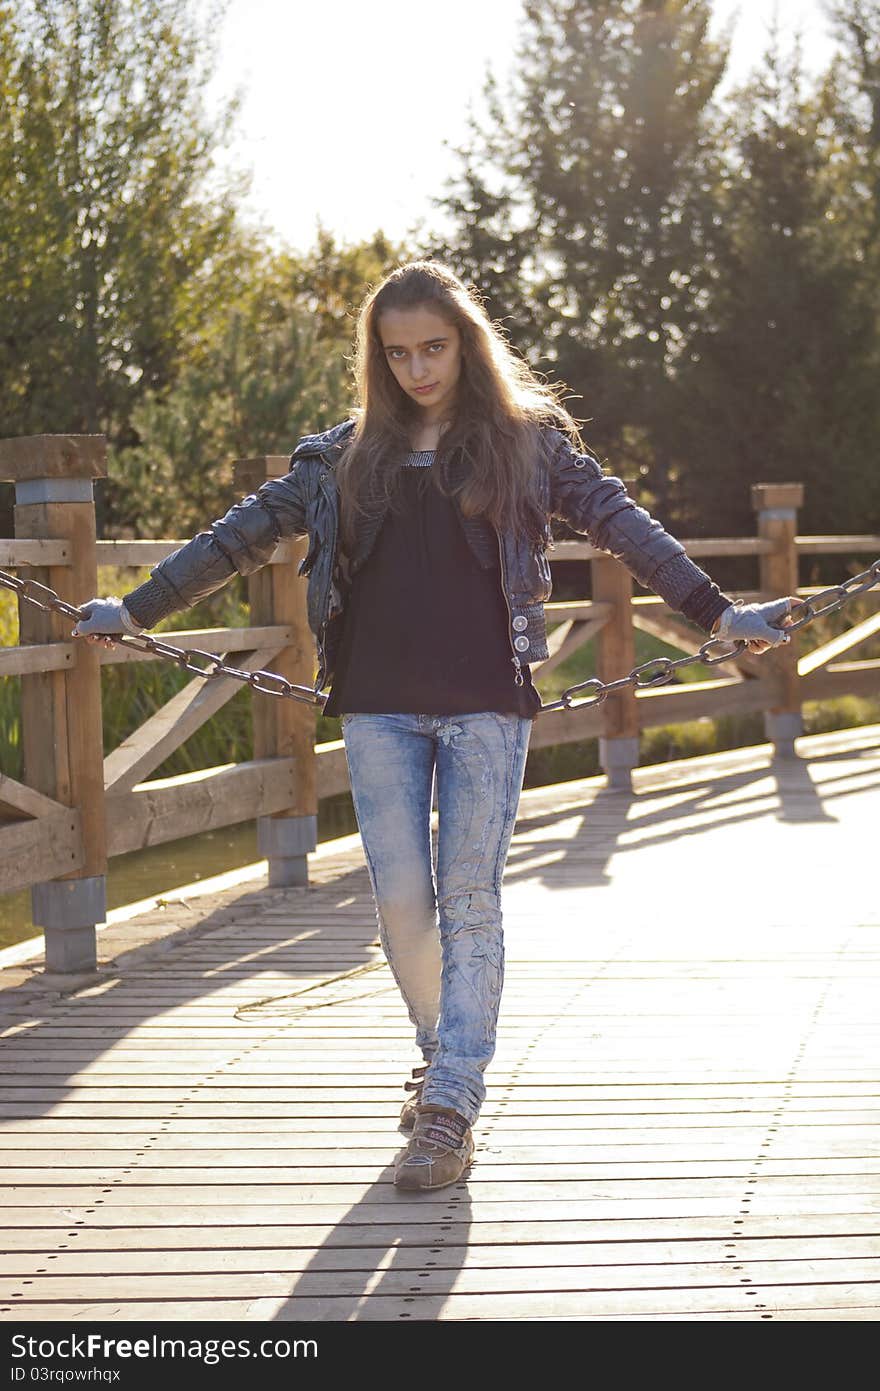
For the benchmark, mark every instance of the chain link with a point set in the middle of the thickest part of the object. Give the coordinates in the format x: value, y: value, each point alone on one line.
x: 657, y: 672
x: 716, y: 650
x: 205, y: 664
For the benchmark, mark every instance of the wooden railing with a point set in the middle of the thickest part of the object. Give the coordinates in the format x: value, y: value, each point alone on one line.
x: 75, y: 808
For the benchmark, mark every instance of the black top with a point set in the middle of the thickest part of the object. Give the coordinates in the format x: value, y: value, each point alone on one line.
x: 425, y: 628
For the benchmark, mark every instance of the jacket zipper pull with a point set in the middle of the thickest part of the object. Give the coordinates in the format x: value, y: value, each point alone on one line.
x: 518, y: 678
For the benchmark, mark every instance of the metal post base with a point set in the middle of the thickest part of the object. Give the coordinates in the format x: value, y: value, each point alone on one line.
x: 618, y: 757
x: 71, y: 950
x: 286, y: 842
x: 68, y: 910
x: 782, y: 730
x: 287, y: 871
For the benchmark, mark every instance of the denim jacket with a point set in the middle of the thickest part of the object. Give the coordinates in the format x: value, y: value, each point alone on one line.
x: 305, y: 502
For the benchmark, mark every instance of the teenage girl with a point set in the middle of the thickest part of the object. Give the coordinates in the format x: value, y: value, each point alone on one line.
x: 428, y: 518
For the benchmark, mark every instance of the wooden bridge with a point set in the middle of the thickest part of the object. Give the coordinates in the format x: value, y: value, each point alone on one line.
x: 683, y: 1114
x: 75, y: 807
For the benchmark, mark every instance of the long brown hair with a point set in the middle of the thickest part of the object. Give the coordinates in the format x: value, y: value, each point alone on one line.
x: 500, y: 405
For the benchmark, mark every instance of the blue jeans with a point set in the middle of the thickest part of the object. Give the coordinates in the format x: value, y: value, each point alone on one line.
x: 440, y: 928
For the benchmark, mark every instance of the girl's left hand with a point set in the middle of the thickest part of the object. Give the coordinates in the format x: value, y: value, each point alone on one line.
x: 755, y: 624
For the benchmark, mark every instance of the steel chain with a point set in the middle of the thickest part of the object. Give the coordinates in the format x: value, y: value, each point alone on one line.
x: 269, y: 682
x: 657, y: 672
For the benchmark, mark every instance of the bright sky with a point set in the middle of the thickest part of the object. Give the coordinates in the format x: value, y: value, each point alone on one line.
x: 352, y: 109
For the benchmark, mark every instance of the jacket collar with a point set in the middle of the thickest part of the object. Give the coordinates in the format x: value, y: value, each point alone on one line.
x: 329, y: 445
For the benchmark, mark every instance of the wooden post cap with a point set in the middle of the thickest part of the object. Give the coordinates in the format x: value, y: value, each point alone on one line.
x: 250, y: 473
x: 53, y: 456
x: 766, y: 495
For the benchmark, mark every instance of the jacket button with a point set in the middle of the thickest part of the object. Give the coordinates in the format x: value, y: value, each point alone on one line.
x: 521, y: 644
x: 520, y: 623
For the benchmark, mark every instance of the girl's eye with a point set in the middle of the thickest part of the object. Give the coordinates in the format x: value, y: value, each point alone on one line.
x: 395, y: 354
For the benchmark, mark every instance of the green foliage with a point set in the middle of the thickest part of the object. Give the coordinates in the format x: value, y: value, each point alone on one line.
x: 111, y: 241
x: 134, y: 300
x: 132, y: 691
x: 260, y: 382
x: 780, y: 380
x: 10, y: 691
x: 271, y: 369
x: 704, y: 279
x: 591, y: 188
x: 332, y: 279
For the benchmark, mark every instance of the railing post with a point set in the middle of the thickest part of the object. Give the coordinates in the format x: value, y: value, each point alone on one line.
x: 62, y: 738
x: 776, y: 505
x: 616, y: 655
x: 284, y: 728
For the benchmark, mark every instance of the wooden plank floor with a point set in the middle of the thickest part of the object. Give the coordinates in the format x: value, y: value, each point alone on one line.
x: 683, y: 1118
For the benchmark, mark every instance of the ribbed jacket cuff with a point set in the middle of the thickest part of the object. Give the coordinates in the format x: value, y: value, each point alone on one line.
x: 150, y: 603
x: 705, y: 605
x: 690, y: 591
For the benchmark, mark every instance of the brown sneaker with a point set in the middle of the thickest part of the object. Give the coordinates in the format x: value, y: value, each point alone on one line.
x: 439, y: 1152
x: 410, y: 1107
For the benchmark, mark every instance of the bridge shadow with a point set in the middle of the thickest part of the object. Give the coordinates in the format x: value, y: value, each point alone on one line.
x: 615, y: 822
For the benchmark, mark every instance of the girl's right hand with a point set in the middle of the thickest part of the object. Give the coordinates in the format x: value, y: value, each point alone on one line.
x: 103, y: 617
x: 756, y: 624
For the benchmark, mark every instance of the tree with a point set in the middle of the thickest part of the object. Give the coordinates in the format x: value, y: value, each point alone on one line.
x: 332, y: 279
x: 275, y: 366
x: 112, y: 239
x: 494, y: 247
x: 592, y: 192
x: 857, y: 23
x: 705, y: 279
x: 854, y: 81
x: 780, y: 383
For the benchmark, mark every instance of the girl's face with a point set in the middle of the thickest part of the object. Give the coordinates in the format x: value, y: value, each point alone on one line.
x: 424, y: 353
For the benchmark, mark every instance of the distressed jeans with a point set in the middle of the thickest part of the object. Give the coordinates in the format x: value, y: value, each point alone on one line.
x: 440, y: 926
